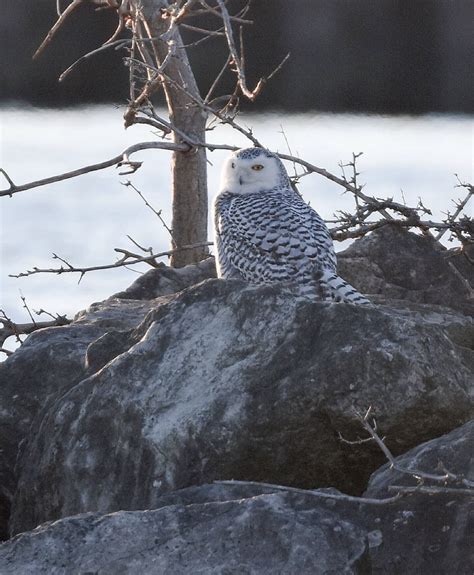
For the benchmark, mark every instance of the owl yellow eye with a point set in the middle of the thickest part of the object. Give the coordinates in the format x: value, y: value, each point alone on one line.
x: 257, y: 167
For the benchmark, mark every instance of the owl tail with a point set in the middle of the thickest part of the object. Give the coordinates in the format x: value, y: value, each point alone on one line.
x: 333, y: 288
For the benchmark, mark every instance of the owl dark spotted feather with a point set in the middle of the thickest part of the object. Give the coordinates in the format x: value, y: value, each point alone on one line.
x: 265, y: 232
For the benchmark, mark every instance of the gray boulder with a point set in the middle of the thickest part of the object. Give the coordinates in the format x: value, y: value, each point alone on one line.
x: 402, y: 265
x: 226, y: 380
x: 151, y: 394
x: 53, y: 360
x: 165, y: 280
x: 261, y: 529
x: 256, y: 535
x: 50, y: 362
x: 429, y: 532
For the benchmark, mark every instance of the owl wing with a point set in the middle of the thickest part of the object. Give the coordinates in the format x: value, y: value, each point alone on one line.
x: 273, y: 237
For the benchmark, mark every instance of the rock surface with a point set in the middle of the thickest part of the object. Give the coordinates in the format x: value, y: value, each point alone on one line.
x: 166, y: 281
x: 264, y: 535
x: 50, y: 362
x: 226, y: 380
x: 53, y: 360
x: 431, y: 533
x: 153, y: 391
x: 402, y: 265
x: 257, y: 530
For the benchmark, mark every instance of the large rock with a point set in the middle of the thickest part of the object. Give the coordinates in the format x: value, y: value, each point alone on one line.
x: 260, y: 529
x: 53, y: 360
x: 402, y: 265
x: 165, y: 280
x: 50, y: 362
x: 432, y: 532
x: 226, y: 380
x: 259, y: 535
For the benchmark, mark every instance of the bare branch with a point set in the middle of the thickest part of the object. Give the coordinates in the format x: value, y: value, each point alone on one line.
x: 11, y: 328
x: 367, y: 422
x: 203, y: 30
x: 314, y: 493
x: 217, y: 80
x: 278, y: 68
x: 350, y: 226
x: 372, y: 204
x: 116, y: 45
x: 451, y: 219
x: 28, y: 311
x: 59, y: 22
x: 127, y: 260
x: 344, y: 231
x: 129, y: 184
x: 211, y: 10
x: 222, y: 117
x: 431, y: 490
x: 120, y: 160
x: 465, y: 281
x: 123, y: 15
x: 236, y: 59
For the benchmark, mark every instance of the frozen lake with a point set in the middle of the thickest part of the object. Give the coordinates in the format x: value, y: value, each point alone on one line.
x: 82, y: 220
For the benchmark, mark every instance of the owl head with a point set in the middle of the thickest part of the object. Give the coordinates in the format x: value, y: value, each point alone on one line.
x: 252, y: 170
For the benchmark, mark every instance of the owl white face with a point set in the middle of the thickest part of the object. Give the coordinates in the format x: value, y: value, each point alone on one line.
x: 251, y: 170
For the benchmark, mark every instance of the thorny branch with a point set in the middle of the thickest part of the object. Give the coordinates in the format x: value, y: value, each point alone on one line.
x: 122, y: 159
x: 12, y: 329
x: 447, y: 481
x: 129, y: 184
x: 128, y: 258
x: 451, y: 222
x: 349, y: 226
x: 237, y: 60
x: 355, y: 225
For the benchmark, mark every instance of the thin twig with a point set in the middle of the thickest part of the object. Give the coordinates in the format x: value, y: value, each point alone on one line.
x: 203, y: 30
x: 116, y: 44
x: 11, y: 328
x: 312, y: 493
x: 59, y: 22
x: 129, y: 184
x: 217, y: 80
x: 413, y: 472
x: 460, y: 206
x: 28, y: 311
x: 120, y: 160
x: 127, y: 260
x: 236, y: 59
x: 211, y: 10
x: 432, y: 490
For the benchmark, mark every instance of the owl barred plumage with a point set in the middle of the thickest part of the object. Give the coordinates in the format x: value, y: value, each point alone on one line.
x: 265, y: 232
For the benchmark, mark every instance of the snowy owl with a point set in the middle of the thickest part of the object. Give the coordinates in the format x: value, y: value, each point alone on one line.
x: 265, y: 232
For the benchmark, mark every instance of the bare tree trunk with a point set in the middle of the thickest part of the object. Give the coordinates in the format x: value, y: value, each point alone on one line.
x: 189, y: 170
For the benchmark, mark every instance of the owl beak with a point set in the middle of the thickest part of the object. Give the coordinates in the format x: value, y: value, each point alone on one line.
x: 240, y: 180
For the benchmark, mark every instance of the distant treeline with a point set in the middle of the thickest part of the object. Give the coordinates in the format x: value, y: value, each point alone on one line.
x: 387, y: 56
